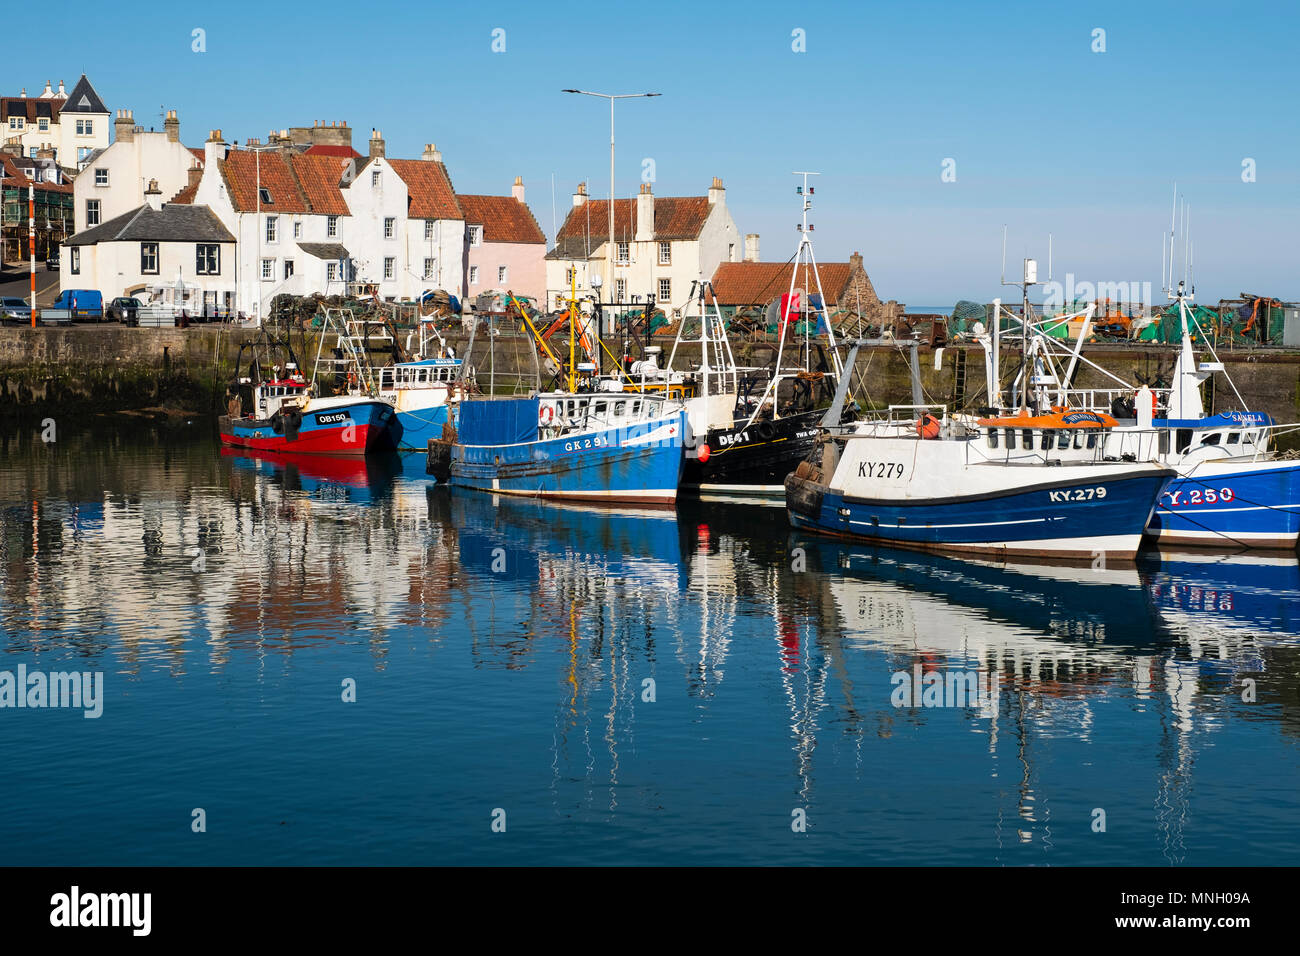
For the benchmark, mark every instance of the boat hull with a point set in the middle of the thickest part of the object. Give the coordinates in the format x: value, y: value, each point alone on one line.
x: 754, y: 460
x: 343, y: 428
x: 1030, y: 521
x: 1229, y: 504
x: 419, y: 427
x: 640, y: 463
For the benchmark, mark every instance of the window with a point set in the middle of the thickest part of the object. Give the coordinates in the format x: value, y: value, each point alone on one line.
x: 297, y: 228
x: 101, y: 177
x: 207, y: 259
x: 428, y: 268
x: 501, y: 273
x: 374, y: 178
x: 621, y: 256
x: 331, y: 271
x: 288, y: 268
x: 428, y: 229
x: 92, y: 212
x: 85, y: 127
x: 665, y: 253
x: 620, y: 290
x: 473, y: 275
x: 272, y: 223
x: 16, y: 122
x: 568, y: 277
x: 390, y: 224
x: 731, y: 252
x: 264, y: 196
x: 665, y: 290
x: 43, y: 125
x: 149, y: 258
x: 332, y: 226
x: 268, y: 269
x: 390, y: 265
x: 475, y: 235
x: 76, y: 261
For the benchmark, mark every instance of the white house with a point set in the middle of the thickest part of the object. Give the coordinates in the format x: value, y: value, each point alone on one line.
x: 661, y: 245
x: 115, y: 178
x: 73, y: 125
x: 179, y: 253
x: 287, y: 213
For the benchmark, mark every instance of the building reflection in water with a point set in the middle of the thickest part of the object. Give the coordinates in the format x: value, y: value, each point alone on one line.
x: 191, y: 560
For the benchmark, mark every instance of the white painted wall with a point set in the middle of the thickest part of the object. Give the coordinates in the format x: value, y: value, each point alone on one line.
x: 113, y: 268
x: 130, y: 165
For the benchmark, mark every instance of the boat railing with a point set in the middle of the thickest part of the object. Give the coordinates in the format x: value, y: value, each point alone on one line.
x: 1102, y: 400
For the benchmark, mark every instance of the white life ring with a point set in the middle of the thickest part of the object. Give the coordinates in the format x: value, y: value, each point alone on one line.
x: 547, y: 414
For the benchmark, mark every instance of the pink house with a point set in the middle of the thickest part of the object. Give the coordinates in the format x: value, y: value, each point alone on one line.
x: 505, y: 248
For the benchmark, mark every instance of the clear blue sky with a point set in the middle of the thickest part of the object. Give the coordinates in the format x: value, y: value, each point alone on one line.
x: 1047, y: 135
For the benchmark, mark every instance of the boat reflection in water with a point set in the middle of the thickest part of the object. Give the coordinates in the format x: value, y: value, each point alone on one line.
x: 358, y: 479
x: 656, y: 686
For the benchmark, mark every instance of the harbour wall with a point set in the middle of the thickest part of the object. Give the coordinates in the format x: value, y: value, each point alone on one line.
x: 89, y: 369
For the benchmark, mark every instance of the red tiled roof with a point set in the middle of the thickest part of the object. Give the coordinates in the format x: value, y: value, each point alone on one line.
x: 503, y: 218
x: 199, y: 154
x: 319, y: 178
x: 297, y: 183
x: 243, y: 171
x: 186, y: 196
x: 676, y: 217
x: 429, y: 188
x: 13, y: 176
x: 751, y: 283
x: 327, y: 149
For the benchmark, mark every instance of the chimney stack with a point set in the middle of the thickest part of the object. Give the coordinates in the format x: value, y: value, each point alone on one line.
x: 153, y: 195
x: 431, y: 154
x: 580, y: 196
x: 62, y: 91
x: 194, y: 174
x: 645, y: 214
x: 376, y: 144
x: 717, y: 195
x: 517, y: 190
x: 214, y: 149
x: 124, y: 126
x: 751, y: 247
x: 172, y: 127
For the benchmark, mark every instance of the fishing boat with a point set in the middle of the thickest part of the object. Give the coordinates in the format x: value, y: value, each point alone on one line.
x: 1231, y: 489
x: 997, y: 485
x: 422, y: 387
x: 581, y: 443
x: 272, y: 407
x: 751, y: 426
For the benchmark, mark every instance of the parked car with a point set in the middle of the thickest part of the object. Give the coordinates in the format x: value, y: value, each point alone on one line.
x: 81, y: 304
x: 52, y: 262
x: 125, y: 309
x: 15, y: 310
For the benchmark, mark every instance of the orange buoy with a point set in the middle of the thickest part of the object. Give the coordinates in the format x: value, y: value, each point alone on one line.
x: 927, y: 426
x: 703, y: 454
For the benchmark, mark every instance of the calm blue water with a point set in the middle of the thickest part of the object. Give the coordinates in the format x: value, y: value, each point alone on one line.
x: 500, y: 650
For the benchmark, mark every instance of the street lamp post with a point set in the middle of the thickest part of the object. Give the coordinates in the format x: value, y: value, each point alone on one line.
x: 609, y: 250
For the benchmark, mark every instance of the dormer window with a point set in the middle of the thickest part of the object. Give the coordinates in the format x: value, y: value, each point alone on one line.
x: 265, y: 195
x: 475, y: 235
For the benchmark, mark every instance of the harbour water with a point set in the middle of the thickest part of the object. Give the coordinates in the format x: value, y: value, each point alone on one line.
x: 696, y: 686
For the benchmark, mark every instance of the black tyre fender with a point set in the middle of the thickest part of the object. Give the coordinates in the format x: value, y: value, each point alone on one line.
x: 765, y: 431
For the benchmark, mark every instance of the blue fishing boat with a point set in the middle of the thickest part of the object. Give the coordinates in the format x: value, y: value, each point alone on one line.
x: 604, y: 447
x: 1231, y: 489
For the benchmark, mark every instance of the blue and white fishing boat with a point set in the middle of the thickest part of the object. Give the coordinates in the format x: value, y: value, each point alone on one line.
x: 582, y: 443
x: 422, y: 391
x: 600, y: 446
x: 425, y: 390
x: 1231, y: 490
